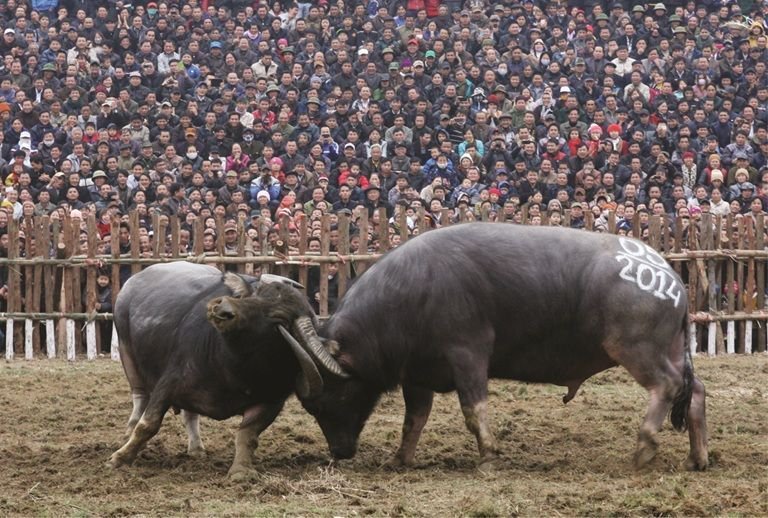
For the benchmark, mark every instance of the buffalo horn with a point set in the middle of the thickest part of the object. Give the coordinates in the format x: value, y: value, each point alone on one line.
x: 306, y: 330
x: 310, y: 382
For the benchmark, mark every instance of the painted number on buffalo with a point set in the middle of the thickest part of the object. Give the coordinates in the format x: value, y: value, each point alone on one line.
x: 645, y: 268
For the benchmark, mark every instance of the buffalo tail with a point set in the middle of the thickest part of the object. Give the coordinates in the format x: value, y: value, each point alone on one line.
x: 682, y: 400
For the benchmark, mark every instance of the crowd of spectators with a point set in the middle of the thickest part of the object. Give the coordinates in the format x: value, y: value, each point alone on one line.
x: 254, y: 111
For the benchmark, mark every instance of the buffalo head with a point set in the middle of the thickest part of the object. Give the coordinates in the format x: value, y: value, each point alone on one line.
x: 341, y: 410
x: 250, y: 314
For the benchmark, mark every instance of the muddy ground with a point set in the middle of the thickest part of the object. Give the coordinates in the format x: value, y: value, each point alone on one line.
x: 60, y: 422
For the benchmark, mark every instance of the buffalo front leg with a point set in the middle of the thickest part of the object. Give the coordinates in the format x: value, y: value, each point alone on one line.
x: 146, y: 428
x: 255, y: 420
x: 470, y: 372
x: 195, y: 446
x: 698, y: 459
x: 418, y: 405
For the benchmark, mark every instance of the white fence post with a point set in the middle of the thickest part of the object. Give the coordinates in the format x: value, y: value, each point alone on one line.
x: 712, y: 339
x: 90, y: 340
x: 692, y: 338
x: 29, y: 329
x: 748, y: 337
x: 9, y: 339
x: 731, y: 347
x: 50, y: 339
x: 114, y: 348
x: 70, y: 327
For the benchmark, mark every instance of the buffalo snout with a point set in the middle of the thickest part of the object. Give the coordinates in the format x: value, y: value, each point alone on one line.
x: 343, y: 452
x: 221, y: 312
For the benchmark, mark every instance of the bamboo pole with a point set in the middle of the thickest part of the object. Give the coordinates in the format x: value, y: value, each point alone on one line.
x: 344, y: 268
x: 107, y: 260
x: 175, y: 236
x: 760, y: 280
x: 303, y: 242
x: 325, y: 247
x: 135, y: 250
x: 17, y: 315
x: 364, y: 244
x: 740, y: 282
x: 242, y: 237
x: 52, y: 276
x: 41, y: 246
x: 76, y: 286
x: 91, y: 342
x: 29, y: 284
x: 383, y: 230
x: 14, y: 284
x: 114, y: 245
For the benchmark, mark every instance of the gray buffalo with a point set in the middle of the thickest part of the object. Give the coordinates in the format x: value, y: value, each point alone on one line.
x: 456, y: 306
x: 216, y: 345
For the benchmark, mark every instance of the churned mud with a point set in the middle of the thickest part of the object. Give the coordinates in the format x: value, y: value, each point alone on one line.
x: 59, y: 423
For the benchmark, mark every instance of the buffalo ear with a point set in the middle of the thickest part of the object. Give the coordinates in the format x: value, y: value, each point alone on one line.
x: 239, y: 286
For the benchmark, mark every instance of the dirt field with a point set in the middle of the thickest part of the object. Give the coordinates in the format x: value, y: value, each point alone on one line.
x: 60, y: 423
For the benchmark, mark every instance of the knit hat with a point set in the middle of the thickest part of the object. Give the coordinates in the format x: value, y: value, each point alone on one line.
x: 614, y: 127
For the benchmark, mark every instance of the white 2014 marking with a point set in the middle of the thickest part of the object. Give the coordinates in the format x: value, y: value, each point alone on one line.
x: 646, y: 269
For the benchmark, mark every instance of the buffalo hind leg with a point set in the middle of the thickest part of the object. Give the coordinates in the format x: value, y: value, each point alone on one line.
x: 140, y: 400
x: 659, y: 375
x: 145, y: 429
x: 698, y: 458
x: 255, y: 420
x: 418, y: 405
x: 658, y: 407
x: 195, y: 446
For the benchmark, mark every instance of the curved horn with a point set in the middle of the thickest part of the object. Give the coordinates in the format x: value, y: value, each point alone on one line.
x: 240, y: 288
x: 309, y: 383
x: 268, y: 278
x: 306, y: 330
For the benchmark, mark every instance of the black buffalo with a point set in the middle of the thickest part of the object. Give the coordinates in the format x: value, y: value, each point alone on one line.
x: 189, y: 340
x: 456, y: 306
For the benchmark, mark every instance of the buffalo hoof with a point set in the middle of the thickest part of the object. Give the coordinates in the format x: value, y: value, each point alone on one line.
x: 644, y: 455
x: 694, y: 464
x: 239, y: 473
x: 398, y: 463
x: 489, y: 465
x: 198, y: 452
x: 115, y: 461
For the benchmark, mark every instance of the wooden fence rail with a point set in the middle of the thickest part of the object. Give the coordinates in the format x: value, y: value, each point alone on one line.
x: 57, y: 307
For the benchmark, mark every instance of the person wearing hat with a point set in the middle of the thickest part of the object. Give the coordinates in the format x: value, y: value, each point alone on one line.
x: 231, y: 236
x: 577, y: 215
x: 746, y: 193
x: 578, y: 73
x: 136, y: 89
x: 375, y: 201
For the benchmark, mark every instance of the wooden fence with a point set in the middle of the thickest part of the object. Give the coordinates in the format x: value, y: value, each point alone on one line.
x: 52, y: 266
